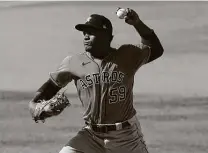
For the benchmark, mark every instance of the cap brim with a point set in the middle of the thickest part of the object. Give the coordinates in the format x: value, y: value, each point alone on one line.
x: 83, y: 27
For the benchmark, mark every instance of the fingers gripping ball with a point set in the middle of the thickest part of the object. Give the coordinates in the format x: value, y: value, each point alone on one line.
x: 121, y: 13
x: 49, y: 108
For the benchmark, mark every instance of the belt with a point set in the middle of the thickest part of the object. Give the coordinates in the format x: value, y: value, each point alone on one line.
x: 104, y: 128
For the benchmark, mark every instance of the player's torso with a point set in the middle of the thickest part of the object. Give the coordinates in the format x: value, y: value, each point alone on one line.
x: 104, y: 88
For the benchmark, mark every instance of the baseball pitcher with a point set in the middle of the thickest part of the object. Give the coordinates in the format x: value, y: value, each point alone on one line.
x: 104, y: 78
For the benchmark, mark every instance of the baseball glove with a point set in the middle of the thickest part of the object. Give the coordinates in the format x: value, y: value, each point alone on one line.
x: 48, y: 108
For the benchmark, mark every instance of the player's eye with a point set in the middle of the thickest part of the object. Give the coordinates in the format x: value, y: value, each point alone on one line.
x: 88, y: 33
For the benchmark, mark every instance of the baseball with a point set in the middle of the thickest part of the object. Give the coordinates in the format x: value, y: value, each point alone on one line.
x: 121, y: 13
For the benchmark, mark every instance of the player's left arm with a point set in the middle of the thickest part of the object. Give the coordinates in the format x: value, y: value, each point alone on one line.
x: 57, y: 80
x: 148, y: 36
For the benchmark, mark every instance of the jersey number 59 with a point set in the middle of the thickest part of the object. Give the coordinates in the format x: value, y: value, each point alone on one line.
x: 117, y: 94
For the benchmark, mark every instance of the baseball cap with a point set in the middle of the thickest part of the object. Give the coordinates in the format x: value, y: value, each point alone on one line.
x: 98, y: 22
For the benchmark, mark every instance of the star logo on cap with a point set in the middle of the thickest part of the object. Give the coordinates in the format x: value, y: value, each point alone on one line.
x: 104, y: 26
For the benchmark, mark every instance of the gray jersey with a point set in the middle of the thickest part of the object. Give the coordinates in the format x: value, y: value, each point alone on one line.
x: 105, y: 89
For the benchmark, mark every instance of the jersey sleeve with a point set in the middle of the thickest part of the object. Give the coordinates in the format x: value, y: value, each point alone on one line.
x: 134, y: 55
x: 62, y: 76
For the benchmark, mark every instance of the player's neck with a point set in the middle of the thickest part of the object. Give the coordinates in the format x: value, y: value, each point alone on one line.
x: 101, y: 53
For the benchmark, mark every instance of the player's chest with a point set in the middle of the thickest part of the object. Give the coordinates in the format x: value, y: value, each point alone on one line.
x: 88, y: 67
x: 94, y: 73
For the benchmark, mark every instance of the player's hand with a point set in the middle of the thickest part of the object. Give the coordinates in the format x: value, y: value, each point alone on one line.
x: 132, y: 18
x: 48, y: 108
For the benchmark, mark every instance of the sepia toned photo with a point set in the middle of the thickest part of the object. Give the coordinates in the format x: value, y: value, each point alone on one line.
x: 103, y: 77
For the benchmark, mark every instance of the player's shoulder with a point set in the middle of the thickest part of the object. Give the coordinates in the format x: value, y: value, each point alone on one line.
x: 136, y: 47
x: 128, y: 48
x: 80, y: 57
x: 133, y: 51
x: 74, y: 57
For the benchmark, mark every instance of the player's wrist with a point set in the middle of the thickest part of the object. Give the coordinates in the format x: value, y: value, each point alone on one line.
x: 137, y: 23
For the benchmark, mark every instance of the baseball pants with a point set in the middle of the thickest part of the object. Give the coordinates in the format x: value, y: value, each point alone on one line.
x: 127, y: 140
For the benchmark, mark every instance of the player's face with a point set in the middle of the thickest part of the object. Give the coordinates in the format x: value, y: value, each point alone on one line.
x: 95, y: 41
